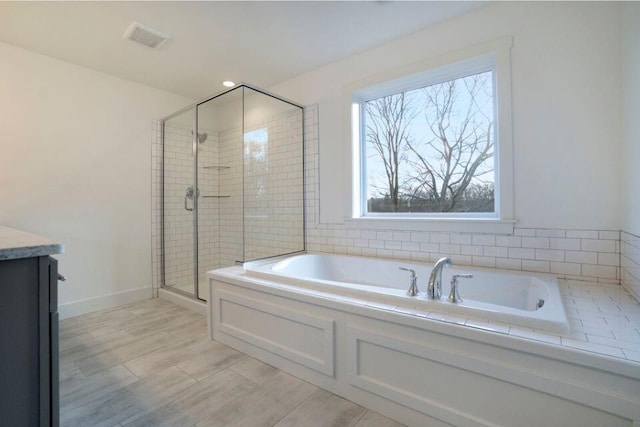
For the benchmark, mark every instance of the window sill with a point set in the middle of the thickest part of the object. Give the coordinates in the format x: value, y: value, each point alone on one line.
x: 460, y: 225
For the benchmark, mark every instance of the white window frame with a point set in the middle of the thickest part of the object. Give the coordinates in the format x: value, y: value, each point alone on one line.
x: 493, y: 56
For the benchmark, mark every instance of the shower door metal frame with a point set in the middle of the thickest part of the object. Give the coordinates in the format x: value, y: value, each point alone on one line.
x: 194, y: 148
x: 196, y: 211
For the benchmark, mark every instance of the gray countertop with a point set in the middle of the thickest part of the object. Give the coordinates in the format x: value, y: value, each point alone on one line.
x: 16, y: 244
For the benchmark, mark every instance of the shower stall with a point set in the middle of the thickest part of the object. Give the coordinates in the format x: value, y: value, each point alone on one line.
x: 232, y: 185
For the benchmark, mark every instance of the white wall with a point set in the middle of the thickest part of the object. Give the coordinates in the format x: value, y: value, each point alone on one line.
x: 75, y: 165
x: 631, y: 145
x: 566, y: 106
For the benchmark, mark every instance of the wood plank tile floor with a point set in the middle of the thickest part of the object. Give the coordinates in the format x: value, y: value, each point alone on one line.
x: 152, y: 364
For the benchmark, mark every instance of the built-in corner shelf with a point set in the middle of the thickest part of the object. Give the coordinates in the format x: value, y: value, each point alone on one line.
x: 215, y: 197
x: 217, y: 167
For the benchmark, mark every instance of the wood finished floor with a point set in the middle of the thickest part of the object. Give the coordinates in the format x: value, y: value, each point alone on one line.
x: 151, y: 364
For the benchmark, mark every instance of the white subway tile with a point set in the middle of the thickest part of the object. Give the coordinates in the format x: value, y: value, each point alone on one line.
x: 369, y: 234
x: 549, y: 255
x: 354, y: 234
x: 483, y: 261
x: 461, y: 259
x: 471, y: 250
x: 522, y: 253
x: 420, y: 256
x: 495, y: 251
x: 429, y: 247
x: 461, y: 239
x: 384, y: 253
x: 581, y: 257
x: 524, y: 232
x: 392, y: 244
x: 608, y: 259
x: 402, y: 235
x: 546, y: 232
x: 609, y: 235
x: 600, y: 271
x: 509, y: 263
x: 535, y: 242
x: 538, y: 266
x: 420, y: 236
x: 565, y: 268
x: 354, y: 250
x: 509, y: 241
x: 450, y: 249
x: 376, y: 244
x: 384, y: 235
x: 592, y: 245
x: 582, y: 234
x: 361, y: 243
x: 410, y: 246
x: 565, y: 244
x: 439, y: 237
x: 483, y: 240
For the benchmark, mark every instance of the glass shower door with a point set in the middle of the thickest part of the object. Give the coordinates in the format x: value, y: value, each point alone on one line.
x: 179, y: 191
x: 219, y: 176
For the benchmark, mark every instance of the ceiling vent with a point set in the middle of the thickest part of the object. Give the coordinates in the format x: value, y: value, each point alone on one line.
x: 144, y: 35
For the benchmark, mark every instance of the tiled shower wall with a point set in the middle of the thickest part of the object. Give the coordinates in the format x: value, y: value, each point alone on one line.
x: 630, y: 262
x: 591, y: 255
x: 178, y: 221
x: 273, y: 199
x: 272, y: 220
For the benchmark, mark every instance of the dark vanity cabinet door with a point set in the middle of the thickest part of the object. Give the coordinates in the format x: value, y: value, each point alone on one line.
x: 29, y: 342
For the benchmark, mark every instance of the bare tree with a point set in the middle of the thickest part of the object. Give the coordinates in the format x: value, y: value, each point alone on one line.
x: 445, y: 165
x: 388, y: 120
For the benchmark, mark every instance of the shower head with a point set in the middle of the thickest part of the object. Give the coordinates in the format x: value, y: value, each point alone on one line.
x: 202, y: 137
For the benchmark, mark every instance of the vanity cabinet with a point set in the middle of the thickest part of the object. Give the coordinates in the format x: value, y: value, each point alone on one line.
x: 29, y: 393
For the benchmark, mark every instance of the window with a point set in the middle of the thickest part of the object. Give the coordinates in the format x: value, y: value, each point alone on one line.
x: 428, y: 144
x: 256, y: 166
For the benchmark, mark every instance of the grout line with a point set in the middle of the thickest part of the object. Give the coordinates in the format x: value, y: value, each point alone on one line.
x: 191, y: 376
x: 361, y: 416
x: 296, y: 407
x: 130, y: 371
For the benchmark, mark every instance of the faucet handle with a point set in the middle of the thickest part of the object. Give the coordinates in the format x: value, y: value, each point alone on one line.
x: 410, y: 270
x: 454, y: 296
x: 413, y: 289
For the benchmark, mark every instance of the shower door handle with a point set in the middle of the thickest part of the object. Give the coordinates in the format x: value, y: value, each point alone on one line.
x: 188, y: 196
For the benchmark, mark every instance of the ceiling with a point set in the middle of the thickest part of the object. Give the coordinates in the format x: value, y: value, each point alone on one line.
x: 262, y: 43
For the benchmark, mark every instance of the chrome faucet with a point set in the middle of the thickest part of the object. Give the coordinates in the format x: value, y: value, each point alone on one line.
x: 434, y: 290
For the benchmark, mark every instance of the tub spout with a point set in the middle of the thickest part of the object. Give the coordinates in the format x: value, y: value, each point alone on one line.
x: 434, y: 291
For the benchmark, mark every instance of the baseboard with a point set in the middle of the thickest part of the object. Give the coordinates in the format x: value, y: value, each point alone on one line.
x: 188, y: 303
x: 76, y: 308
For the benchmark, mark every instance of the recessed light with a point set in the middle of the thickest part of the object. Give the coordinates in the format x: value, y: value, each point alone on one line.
x: 228, y: 83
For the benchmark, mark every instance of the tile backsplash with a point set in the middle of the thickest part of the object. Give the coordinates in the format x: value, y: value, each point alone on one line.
x: 590, y: 255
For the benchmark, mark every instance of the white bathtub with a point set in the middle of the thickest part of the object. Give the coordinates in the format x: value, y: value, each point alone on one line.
x: 493, y: 295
